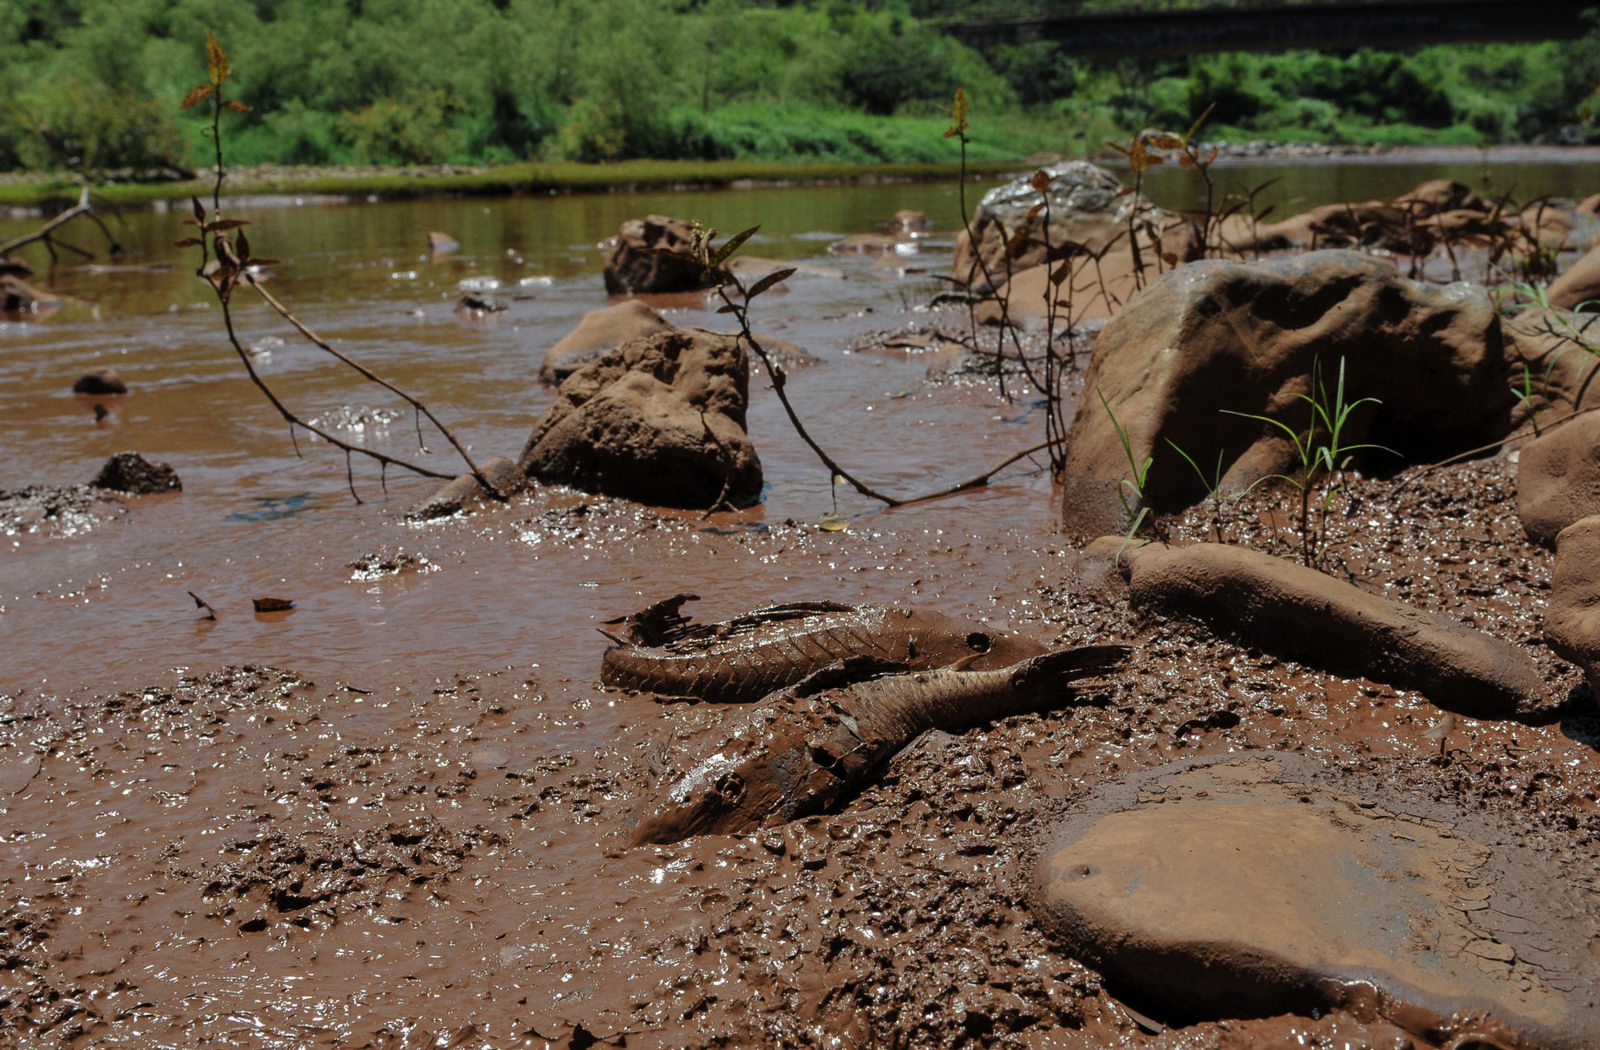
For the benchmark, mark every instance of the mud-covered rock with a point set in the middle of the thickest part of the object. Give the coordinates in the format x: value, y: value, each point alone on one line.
x: 1261, y: 884
x: 1558, y: 478
x: 659, y: 420
x: 1579, y: 285
x: 20, y: 299
x: 654, y: 255
x: 1572, y: 619
x: 751, y: 268
x: 1292, y: 611
x: 1552, y: 368
x: 465, y: 491
x: 1089, y: 206
x: 131, y: 473
x: 1213, y: 339
x: 598, y: 332
x: 101, y: 381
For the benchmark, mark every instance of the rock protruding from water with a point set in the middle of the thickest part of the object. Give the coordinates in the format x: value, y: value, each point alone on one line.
x: 599, y: 331
x: 465, y: 491
x: 100, y: 382
x: 1558, y: 478
x: 131, y: 473
x: 1301, y: 614
x: 1572, y: 620
x: 19, y: 299
x: 1088, y: 206
x: 654, y: 255
x: 1216, y: 338
x: 659, y: 420
x: 1262, y: 884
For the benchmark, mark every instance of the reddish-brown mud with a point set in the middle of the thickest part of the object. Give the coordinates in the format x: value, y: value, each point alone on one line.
x: 248, y: 858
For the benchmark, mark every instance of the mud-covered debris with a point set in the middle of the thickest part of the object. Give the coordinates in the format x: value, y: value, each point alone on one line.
x: 131, y: 473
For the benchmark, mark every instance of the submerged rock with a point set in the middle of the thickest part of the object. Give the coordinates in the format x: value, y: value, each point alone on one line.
x: 1296, y: 612
x: 1219, y: 337
x: 598, y: 332
x: 131, y: 473
x: 101, y: 381
x: 660, y: 420
x: 465, y: 492
x: 1254, y: 885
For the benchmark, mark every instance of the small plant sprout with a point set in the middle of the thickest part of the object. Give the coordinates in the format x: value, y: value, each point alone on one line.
x: 1131, y: 489
x: 1212, y: 483
x: 1321, y: 455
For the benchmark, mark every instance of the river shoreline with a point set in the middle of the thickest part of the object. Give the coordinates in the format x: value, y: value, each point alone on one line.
x: 24, y: 194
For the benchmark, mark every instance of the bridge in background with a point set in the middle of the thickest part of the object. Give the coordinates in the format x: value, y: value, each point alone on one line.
x: 1281, y: 27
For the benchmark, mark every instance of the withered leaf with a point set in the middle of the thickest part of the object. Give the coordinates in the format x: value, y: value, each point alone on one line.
x: 197, y: 95
x: 187, y: 242
x: 1036, y: 209
x: 227, y: 224
x: 1041, y: 180
x: 769, y: 280
x: 1186, y: 161
x: 730, y: 246
x: 1170, y: 258
x: 199, y: 210
x: 243, y: 244
x: 216, y: 60
x: 235, y: 105
x: 730, y: 308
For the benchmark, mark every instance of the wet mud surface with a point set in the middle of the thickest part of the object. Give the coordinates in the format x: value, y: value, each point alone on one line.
x: 397, y: 814
x: 245, y: 857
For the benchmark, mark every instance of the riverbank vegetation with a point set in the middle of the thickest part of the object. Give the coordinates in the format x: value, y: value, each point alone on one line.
x: 93, y: 85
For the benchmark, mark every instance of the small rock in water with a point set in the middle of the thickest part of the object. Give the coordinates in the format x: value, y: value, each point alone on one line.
x: 441, y: 242
x: 100, y: 381
x: 1252, y: 885
x: 131, y: 473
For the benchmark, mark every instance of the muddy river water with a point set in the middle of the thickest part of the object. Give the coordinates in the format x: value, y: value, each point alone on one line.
x: 391, y: 816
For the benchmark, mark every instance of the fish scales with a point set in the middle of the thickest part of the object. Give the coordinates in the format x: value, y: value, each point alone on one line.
x: 800, y: 752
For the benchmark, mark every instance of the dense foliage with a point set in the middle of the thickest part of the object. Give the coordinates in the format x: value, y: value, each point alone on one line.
x: 96, y: 83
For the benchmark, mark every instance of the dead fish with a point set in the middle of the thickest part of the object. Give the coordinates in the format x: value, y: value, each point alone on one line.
x: 811, y: 748
x: 659, y: 649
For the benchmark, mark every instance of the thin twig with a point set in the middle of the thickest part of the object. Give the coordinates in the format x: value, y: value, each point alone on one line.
x: 43, y: 232
x: 373, y: 377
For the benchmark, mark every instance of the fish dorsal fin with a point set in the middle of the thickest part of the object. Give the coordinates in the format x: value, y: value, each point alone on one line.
x: 849, y: 671
x: 657, y: 624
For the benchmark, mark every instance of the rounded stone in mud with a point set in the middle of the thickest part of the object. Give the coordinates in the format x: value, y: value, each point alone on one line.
x: 1252, y: 885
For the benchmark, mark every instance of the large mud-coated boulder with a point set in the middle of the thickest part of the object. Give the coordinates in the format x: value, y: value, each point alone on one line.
x: 1558, y: 478
x: 1088, y: 206
x: 660, y: 420
x: 1572, y: 620
x: 1219, y: 337
x: 599, y: 331
x: 1579, y: 285
x: 654, y: 255
x: 1553, y: 369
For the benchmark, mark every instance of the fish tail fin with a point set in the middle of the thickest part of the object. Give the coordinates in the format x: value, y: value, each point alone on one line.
x: 1068, y: 666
